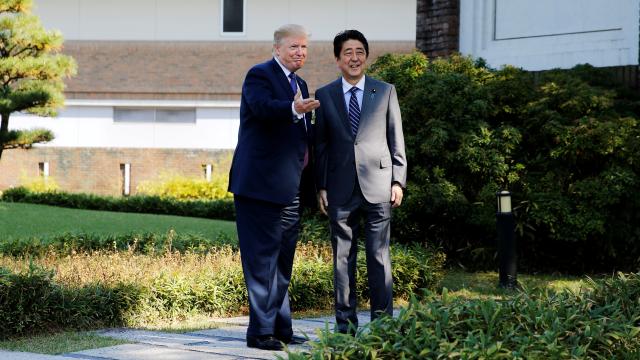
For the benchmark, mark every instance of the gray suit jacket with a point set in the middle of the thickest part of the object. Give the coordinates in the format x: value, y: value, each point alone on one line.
x: 375, y: 157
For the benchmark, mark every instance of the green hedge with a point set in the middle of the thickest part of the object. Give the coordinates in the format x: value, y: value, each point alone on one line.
x: 32, y: 301
x: 566, y: 143
x: 413, y: 268
x: 603, y: 323
x: 215, y: 209
x: 145, y: 243
x: 314, y: 229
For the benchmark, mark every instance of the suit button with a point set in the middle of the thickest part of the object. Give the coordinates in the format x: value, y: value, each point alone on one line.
x: 356, y: 143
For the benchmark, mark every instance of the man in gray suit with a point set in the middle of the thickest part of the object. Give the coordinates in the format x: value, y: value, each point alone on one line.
x: 361, y: 170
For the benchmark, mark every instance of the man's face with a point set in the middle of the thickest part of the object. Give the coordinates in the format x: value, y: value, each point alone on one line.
x: 352, y: 60
x: 292, y: 52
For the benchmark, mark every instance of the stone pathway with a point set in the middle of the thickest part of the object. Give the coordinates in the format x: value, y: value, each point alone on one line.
x: 224, y: 343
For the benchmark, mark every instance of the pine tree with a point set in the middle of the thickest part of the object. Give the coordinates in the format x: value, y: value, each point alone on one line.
x: 31, y: 72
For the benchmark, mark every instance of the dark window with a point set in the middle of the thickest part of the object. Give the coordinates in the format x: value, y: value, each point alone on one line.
x: 206, y: 169
x: 163, y: 116
x: 125, y: 178
x: 43, y: 169
x: 176, y: 116
x: 233, y: 16
x: 134, y: 115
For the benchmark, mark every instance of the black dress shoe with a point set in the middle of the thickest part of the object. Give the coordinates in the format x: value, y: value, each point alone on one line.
x: 264, y: 342
x: 292, y: 340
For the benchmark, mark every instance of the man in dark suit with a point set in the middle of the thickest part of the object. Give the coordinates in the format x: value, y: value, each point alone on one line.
x: 265, y: 178
x: 361, y: 171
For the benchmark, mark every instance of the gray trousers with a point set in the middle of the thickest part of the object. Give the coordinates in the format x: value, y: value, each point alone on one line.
x: 345, y: 228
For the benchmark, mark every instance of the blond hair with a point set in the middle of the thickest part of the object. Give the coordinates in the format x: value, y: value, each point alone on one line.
x: 288, y: 30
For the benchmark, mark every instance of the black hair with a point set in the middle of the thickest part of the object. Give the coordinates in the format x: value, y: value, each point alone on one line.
x: 346, y: 35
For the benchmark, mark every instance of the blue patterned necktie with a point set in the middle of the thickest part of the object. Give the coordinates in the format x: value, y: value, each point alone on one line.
x: 294, y: 88
x: 293, y: 83
x: 354, y: 111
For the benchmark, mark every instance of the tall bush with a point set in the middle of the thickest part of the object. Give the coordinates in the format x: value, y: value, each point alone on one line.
x: 564, y: 142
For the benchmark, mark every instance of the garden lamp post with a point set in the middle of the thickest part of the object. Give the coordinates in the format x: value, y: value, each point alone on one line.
x: 506, y: 241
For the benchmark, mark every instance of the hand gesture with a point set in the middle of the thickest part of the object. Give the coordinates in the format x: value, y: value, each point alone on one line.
x: 303, y: 106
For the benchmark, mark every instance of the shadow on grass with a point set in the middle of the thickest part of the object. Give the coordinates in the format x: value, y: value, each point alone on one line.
x: 485, y: 284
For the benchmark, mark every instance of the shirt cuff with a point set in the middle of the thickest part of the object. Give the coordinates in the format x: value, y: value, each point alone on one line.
x: 295, y: 113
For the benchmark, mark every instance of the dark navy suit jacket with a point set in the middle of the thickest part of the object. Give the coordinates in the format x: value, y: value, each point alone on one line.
x: 268, y: 160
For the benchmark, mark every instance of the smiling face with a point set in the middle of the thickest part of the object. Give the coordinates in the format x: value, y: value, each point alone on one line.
x: 352, y: 60
x: 292, y: 51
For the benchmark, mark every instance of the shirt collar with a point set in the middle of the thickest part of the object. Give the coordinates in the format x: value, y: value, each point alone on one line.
x: 346, y: 86
x: 286, y: 71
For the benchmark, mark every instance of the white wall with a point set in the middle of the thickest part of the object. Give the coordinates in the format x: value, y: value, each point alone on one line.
x: 545, y: 34
x: 90, y: 124
x: 199, y: 20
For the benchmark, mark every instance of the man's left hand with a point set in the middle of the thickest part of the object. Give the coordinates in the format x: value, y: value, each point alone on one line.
x: 396, y: 195
x: 302, y: 106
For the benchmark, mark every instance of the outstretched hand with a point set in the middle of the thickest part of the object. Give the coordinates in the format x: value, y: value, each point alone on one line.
x: 303, y: 106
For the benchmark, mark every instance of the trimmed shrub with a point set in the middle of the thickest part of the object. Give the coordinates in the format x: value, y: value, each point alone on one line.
x: 215, y: 209
x: 595, y: 324
x: 564, y: 143
x: 39, y: 184
x: 146, y: 243
x: 184, y: 188
x: 220, y: 293
x: 33, y: 302
x: 413, y: 268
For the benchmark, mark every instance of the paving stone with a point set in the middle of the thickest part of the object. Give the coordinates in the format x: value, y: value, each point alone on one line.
x: 15, y: 355
x: 148, y: 352
x: 206, y: 346
x: 225, y: 342
x: 150, y: 337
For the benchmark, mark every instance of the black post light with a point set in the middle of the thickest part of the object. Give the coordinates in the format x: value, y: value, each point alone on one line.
x: 506, y: 241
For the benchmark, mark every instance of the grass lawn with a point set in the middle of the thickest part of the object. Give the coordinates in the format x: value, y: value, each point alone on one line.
x: 59, y: 343
x: 481, y: 285
x: 19, y: 220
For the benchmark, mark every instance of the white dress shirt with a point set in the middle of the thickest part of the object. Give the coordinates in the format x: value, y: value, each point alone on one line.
x: 346, y: 90
x: 286, y: 73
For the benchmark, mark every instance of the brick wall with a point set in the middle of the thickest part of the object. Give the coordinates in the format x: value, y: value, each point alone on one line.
x: 438, y: 27
x: 97, y: 170
x: 188, y: 70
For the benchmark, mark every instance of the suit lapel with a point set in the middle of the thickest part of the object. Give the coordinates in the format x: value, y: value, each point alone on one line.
x: 338, y: 99
x: 282, y: 78
x: 368, y: 99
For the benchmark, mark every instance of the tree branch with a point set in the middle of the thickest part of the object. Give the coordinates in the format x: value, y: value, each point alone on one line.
x: 27, y: 48
x: 4, y: 125
x: 4, y: 130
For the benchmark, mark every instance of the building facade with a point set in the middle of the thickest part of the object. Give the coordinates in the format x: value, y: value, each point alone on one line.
x: 533, y: 35
x: 159, y: 81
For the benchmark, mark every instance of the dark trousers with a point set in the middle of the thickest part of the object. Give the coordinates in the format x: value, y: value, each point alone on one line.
x: 268, y: 234
x: 345, y: 227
